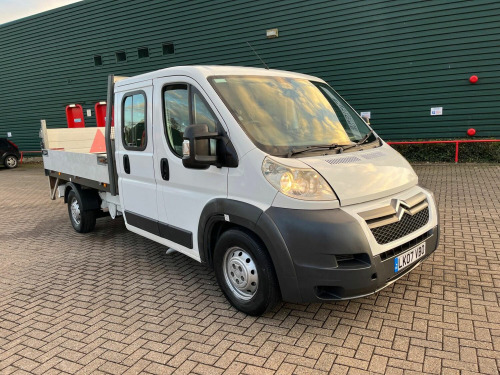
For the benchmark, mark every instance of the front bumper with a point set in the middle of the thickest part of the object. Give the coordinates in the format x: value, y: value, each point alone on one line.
x: 332, y: 257
x: 317, y: 284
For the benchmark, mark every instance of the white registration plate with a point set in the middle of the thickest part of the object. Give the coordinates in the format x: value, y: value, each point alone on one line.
x: 409, y: 257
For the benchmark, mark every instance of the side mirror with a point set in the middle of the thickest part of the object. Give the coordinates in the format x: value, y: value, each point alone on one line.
x: 198, y: 148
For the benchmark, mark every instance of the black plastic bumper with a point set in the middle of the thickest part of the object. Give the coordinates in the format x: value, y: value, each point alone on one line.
x: 332, y: 258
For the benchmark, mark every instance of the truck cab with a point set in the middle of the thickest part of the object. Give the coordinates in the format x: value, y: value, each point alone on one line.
x: 268, y: 176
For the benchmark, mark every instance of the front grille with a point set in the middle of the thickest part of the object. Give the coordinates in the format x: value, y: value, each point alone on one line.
x: 406, y: 246
x: 408, y: 224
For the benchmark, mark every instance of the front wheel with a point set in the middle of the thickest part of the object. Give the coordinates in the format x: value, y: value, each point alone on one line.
x: 245, y: 272
x: 11, y: 161
x: 82, y: 220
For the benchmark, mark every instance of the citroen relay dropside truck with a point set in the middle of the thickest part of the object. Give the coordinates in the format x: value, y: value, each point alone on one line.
x: 268, y: 176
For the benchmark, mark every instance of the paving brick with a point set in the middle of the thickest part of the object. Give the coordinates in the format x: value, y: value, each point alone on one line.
x: 159, y: 369
x: 275, y: 360
x: 185, y: 368
x: 26, y: 364
x: 113, y: 302
x: 488, y: 366
x: 378, y: 364
x: 286, y: 369
x: 234, y: 369
x: 68, y: 366
x: 432, y: 365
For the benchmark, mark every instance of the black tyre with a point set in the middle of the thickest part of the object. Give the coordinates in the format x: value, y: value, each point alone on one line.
x: 11, y: 161
x: 83, y: 220
x: 245, y: 272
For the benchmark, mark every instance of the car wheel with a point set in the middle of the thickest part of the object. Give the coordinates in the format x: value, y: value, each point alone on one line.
x: 245, y: 272
x: 83, y: 221
x: 11, y: 161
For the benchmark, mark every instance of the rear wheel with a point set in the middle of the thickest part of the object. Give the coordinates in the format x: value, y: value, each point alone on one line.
x: 82, y: 220
x: 245, y: 272
x: 11, y: 161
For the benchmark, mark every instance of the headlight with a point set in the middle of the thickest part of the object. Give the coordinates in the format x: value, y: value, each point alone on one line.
x: 299, y: 183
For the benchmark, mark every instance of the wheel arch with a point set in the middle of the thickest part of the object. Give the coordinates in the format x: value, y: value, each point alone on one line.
x: 88, y: 197
x: 222, y: 214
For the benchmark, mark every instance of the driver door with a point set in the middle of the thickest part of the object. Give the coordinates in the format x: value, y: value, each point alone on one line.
x: 182, y: 193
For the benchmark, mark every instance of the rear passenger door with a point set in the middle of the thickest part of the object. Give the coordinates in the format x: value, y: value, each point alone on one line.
x: 134, y: 157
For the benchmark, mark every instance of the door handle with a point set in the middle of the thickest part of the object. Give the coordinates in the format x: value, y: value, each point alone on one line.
x: 126, y: 164
x: 165, y: 171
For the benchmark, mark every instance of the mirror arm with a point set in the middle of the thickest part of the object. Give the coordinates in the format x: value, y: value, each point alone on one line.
x: 213, y: 135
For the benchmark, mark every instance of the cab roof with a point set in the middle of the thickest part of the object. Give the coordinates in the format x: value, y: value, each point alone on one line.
x: 203, y: 71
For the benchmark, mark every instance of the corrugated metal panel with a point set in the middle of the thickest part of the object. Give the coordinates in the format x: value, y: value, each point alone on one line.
x: 395, y: 59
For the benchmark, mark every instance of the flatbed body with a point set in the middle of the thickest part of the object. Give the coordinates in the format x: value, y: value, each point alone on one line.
x: 78, y: 166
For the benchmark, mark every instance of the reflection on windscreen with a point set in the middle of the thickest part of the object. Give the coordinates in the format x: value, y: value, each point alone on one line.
x: 278, y: 112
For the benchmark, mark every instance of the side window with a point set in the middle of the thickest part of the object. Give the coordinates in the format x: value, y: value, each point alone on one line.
x: 134, y: 122
x: 201, y: 113
x: 176, y: 106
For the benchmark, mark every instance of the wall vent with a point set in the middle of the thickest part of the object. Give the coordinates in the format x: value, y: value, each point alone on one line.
x: 142, y: 52
x: 168, y: 48
x: 97, y: 60
x: 120, y: 56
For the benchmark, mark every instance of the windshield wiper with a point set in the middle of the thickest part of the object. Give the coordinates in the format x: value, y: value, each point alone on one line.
x: 365, y: 138
x: 361, y: 141
x: 333, y: 146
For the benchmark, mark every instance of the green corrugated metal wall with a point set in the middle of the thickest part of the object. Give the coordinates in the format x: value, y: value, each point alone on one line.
x: 396, y: 59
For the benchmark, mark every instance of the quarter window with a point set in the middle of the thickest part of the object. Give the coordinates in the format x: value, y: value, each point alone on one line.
x: 134, y: 121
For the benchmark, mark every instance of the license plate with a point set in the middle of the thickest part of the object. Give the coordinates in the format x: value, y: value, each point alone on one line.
x: 409, y: 257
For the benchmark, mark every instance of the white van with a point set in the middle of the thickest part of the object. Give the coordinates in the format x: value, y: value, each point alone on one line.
x: 268, y: 176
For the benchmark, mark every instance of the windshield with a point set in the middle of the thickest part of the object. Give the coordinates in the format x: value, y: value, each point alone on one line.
x: 281, y: 114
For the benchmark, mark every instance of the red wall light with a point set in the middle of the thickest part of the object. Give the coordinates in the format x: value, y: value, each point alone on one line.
x: 473, y: 79
x: 471, y: 132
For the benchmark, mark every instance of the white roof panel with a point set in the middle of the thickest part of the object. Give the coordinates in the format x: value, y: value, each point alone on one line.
x: 204, y: 71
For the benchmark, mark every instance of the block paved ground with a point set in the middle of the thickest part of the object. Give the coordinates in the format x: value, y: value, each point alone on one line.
x: 113, y: 302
